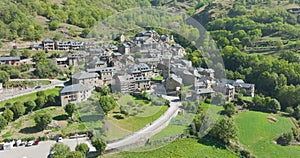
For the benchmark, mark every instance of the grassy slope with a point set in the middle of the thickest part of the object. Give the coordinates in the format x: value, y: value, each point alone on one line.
x: 136, y: 122
x: 25, y: 125
x: 257, y: 134
x: 28, y: 97
x: 180, y: 148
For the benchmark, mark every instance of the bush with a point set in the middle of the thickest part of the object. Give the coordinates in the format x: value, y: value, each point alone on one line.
x: 285, y: 139
x: 207, y: 100
x: 124, y: 110
x: 82, y: 148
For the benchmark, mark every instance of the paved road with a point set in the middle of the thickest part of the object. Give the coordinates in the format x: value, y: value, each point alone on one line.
x: 41, y: 150
x: 13, y: 93
x: 148, y: 131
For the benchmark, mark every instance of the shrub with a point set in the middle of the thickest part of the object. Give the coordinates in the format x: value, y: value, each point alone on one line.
x: 285, y: 139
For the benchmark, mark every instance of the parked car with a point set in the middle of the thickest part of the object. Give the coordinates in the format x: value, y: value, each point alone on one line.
x: 36, y: 142
x: 30, y: 143
x: 23, y: 143
x: 59, y: 139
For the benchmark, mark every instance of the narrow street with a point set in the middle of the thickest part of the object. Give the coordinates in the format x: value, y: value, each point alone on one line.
x: 13, y: 93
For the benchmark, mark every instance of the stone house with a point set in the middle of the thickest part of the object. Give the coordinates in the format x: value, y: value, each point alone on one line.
x: 75, y: 93
x: 87, y: 79
x: 173, y: 84
x: 226, y: 89
x: 12, y: 60
x: 48, y: 44
x: 124, y: 84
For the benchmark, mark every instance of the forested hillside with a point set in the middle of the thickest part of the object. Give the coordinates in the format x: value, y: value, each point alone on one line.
x: 32, y: 20
x: 259, y: 42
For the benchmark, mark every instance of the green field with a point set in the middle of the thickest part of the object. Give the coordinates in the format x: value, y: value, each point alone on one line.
x: 144, y: 111
x: 257, y: 134
x: 181, y: 148
x: 28, y: 97
x: 170, y: 130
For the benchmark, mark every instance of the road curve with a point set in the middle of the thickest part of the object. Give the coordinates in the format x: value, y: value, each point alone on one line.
x: 148, y: 131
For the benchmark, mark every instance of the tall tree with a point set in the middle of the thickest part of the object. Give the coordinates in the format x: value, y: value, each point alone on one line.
x: 225, y: 130
x: 8, y: 114
x: 99, y: 144
x: 70, y: 109
x: 229, y: 109
x: 18, y: 109
x: 60, y: 150
x: 30, y: 105
x: 3, y: 122
x: 83, y: 147
x: 4, y: 77
x: 42, y: 120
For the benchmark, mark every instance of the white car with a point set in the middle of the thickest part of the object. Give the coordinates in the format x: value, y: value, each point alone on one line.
x: 30, y: 143
x: 59, y: 139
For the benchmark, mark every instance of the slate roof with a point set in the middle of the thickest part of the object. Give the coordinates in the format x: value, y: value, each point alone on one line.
x: 176, y: 78
x: 75, y: 88
x: 84, y: 75
x: 204, y: 91
x: 10, y: 58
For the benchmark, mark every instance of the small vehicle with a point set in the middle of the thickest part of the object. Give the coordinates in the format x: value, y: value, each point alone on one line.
x: 37, y: 87
x: 23, y: 143
x: 36, y: 142
x: 30, y: 143
x: 59, y: 139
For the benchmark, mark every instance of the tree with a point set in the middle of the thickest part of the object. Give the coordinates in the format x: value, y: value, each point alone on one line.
x: 225, y: 130
x: 13, y: 52
x: 273, y: 105
x: 75, y: 154
x: 99, y: 144
x: 18, y: 109
x: 297, y: 112
x: 3, y: 122
x: 107, y: 103
x: 40, y: 102
x: 289, y: 56
x: 182, y: 96
x: 39, y: 57
x: 70, y: 109
x: 26, y: 53
x: 229, y: 109
x: 4, y: 77
x: 83, y: 147
x: 51, y: 99
x: 42, y: 120
x: 60, y: 150
x: 8, y: 115
x: 53, y: 25
x: 30, y: 105
x: 85, y: 32
x: 218, y: 99
x: 285, y: 138
x: 289, y: 110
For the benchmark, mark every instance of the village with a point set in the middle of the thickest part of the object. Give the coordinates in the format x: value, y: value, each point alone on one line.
x: 146, y: 62
x: 133, y: 66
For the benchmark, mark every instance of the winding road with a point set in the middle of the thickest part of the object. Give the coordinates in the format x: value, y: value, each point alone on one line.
x: 140, y: 137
